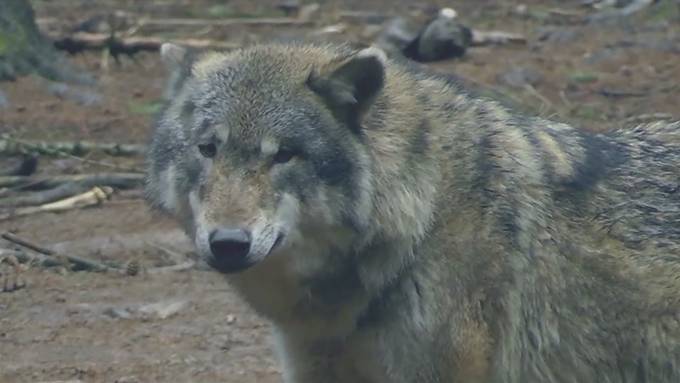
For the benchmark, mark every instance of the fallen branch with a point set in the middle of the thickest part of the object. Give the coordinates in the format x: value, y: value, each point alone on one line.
x: 13, y: 146
x: 634, y: 7
x: 480, y: 38
x: 81, y: 41
x: 250, y: 21
x: 81, y: 263
x: 91, y: 198
x: 42, y: 197
x: 607, y: 92
x: 23, y: 257
x: 165, y: 269
x: 117, y: 180
x: 648, y: 117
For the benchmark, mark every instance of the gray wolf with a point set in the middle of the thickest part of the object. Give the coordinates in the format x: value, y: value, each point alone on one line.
x: 394, y: 227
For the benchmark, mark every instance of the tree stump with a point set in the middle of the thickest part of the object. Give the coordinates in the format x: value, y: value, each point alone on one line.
x: 23, y: 50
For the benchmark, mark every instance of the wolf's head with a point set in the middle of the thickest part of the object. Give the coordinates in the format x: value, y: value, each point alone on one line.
x: 260, y: 152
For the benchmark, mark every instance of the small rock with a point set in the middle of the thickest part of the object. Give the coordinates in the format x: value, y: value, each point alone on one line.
x: 331, y: 29
x: 602, y: 55
x: 81, y: 96
x: 521, y: 10
x: 558, y: 35
x: 162, y: 310
x: 396, y: 36
x: 4, y: 101
x: 307, y: 12
x: 24, y: 166
x: 289, y: 7
x: 520, y: 77
x: 231, y: 319
x: 117, y: 313
x: 444, y: 37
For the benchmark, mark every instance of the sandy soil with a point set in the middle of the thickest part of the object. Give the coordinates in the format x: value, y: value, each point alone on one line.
x: 110, y: 327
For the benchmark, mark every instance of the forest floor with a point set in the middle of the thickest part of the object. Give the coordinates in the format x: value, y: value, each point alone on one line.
x: 112, y: 327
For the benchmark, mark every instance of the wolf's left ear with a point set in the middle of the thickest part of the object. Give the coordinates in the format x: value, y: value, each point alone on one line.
x: 350, y: 88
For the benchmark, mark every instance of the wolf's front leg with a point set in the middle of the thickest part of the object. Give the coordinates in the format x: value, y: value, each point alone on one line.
x: 317, y: 361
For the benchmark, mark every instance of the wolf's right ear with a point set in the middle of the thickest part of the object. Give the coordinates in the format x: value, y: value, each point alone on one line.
x: 172, y: 55
x: 350, y: 88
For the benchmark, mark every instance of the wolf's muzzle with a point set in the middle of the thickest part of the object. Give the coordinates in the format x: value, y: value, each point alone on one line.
x: 230, y: 248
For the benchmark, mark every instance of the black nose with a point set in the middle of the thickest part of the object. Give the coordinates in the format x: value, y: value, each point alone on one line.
x: 230, y: 248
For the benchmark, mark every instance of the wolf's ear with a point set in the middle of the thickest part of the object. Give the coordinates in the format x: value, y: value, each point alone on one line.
x: 350, y: 88
x: 172, y: 55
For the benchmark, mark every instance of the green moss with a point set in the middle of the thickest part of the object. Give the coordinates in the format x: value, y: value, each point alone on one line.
x: 587, y: 112
x: 582, y: 77
x: 665, y: 10
x: 145, y: 108
x: 3, y: 45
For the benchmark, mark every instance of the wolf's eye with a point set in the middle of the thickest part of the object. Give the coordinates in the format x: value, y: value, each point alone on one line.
x: 284, y: 155
x: 207, y: 150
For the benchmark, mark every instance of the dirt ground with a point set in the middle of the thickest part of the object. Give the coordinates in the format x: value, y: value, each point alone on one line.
x: 112, y: 327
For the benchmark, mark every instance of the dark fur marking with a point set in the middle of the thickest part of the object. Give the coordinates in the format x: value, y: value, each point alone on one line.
x: 420, y: 142
x: 334, y: 167
x: 380, y: 304
x: 334, y: 288
x: 602, y: 156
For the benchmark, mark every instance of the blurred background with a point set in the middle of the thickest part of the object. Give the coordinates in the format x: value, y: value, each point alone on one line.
x: 94, y: 287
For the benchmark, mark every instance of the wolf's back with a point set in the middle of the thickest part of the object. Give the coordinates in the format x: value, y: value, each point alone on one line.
x: 639, y: 201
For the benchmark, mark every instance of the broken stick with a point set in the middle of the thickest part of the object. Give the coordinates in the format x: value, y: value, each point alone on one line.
x: 81, y: 263
x: 480, y: 38
x: 93, y: 197
x: 80, y: 41
x: 46, y: 196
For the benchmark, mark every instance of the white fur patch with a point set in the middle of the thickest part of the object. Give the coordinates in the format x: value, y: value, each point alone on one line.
x: 373, y: 52
x: 222, y: 132
x: 269, y: 146
x: 167, y: 188
x: 172, y: 54
x: 288, y: 213
x: 201, y: 230
x: 448, y: 13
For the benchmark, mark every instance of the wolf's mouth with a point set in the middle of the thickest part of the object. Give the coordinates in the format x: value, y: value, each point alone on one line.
x: 279, y: 239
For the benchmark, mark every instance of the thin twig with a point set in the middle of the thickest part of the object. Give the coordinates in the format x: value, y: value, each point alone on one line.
x: 262, y: 21
x: 118, y: 180
x: 649, y: 117
x: 178, y: 267
x: 85, y: 264
x: 176, y: 257
x: 11, y: 145
x: 102, y: 163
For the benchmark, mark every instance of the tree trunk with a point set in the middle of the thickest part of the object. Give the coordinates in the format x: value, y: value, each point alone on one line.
x: 24, y: 50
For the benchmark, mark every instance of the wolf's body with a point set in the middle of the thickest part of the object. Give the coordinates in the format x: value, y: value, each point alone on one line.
x: 402, y: 230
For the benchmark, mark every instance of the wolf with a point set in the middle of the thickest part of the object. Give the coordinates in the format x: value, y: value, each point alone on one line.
x: 395, y: 227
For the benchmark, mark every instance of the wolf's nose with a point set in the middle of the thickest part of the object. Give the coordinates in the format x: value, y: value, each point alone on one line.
x: 229, y: 248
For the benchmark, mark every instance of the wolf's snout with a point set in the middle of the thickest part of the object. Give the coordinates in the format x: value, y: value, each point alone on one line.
x: 229, y: 248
